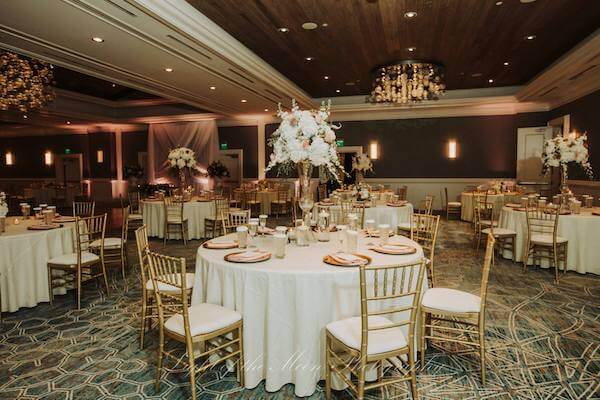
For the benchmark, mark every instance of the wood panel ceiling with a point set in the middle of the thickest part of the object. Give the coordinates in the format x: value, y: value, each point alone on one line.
x: 468, y: 36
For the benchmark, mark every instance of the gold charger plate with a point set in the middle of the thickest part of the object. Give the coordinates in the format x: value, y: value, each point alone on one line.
x: 207, y: 245
x: 403, y: 249
x: 44, y: 227
x: 331, y: 261
x: 228, y: 258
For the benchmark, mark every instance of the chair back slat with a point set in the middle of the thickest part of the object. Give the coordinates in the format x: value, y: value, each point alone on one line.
x: 125, y: 224
x: 542, y: 221
x: 88, y: 230
x: 169, y: 271
x: 485, y: 273
x: 83, y: 208
x: 233, y: 219
x: 380, y: 296
x: 173, y: 207
x: 134, y: 202
x: 141, y: 240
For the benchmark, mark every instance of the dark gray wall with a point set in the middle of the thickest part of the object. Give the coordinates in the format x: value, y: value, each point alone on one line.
x: 245, y: 138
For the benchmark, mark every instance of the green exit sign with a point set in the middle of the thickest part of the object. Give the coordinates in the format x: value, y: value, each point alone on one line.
x: 339, y: 143
x: 67, y: 151
x: 224, y: 146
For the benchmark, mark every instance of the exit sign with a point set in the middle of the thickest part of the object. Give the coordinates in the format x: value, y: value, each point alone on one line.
x: 224, y: 146
x: 67, y: 151
x: 339, y: 143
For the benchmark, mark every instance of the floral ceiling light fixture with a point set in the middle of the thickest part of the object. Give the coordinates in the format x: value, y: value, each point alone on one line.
x: 24, y: 83
x: 407, y: 81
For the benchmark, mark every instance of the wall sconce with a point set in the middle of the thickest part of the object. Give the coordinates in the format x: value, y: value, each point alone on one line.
x: 100, y: 156
x: 9, y: 158
x: 48, y: 157
x: 452, y: 149
x: 374, y: 151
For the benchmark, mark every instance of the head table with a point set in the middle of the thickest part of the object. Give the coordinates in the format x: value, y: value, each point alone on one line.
x: 195, y: 211
x: 582, y: 230
x: 286, y: 304
x: 23, y: 257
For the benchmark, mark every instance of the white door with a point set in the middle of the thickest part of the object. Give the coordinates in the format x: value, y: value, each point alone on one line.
x: 530, y: 145
x: 233, y: 160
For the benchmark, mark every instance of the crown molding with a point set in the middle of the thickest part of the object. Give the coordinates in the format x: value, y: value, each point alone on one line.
x: 112, y: 103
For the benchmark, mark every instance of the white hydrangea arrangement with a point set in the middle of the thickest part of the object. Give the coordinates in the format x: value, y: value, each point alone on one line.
x: 305, y: 136
x: 182, y: 158
x: 362, y: 163
x: 560, y: 150
x: 3, y: 205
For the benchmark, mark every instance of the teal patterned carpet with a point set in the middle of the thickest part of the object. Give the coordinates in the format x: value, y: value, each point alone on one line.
x: 543, y: 341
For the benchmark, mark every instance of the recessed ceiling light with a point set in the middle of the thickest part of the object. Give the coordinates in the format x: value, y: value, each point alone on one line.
x: 326, y: 77
x: 309, y: 26
x: 309, y: 58
x: 337, y: 90
x: 244, y: 101
x: 410, y: 14
x: 68, y: 122
x: 114, y: 85
x: 283, y: 30
x: 411, y: 49
x: 213, y: 88
x: 530, y: 37
x: 324, y: 24
x: 476, y: 74
x: 506, y: 63
x: 25, y: 117
x: 527, y: 1
x: 97, y: 39
x: 169, y: 69
x: 266, y: 109
x: 349, y: 83
x: 499, y: 3
x: 490, y: 80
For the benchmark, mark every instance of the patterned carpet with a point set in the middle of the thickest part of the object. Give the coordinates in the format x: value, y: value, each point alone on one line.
x: 543, y: 341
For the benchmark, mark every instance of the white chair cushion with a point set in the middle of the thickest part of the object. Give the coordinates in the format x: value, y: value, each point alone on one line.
x: 164, y: 287
x: 405, y: 226
x: 175, y: 220
x: 487, y: 222
x: 204, y: 318
x: 71, y: 259
x: 546, y: 240
x: 135, y: 217
x: 451, y: 300
x: 499, y: 231
x: 454, y: 204
x: 109, y: 243
x: 348, y: 331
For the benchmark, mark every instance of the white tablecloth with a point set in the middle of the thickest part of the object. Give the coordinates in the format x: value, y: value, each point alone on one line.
x: 383, y: 214
x: 194, y: 211
x: 466, y: 200
x: 582, y: 231
x: 286, y: 304
x: 23, y: 262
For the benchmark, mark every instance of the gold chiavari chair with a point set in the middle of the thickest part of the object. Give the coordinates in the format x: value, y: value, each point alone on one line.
x: 505, y: 238
x: 251, y: 201
x: 135, y: 217
x: 543, y: 241
x: 149, y: 312
x: 424, y: 232
x: 402, y: 191
x: 358, y: 209
x: 237, y: 198
x: 483, y: 217
x: 115, y: 248
x: 387, y: 294
x: 174, y: 218
x: 218, y: 328
x: 233, y: 219
x: 213, y: 223
x: 477, y: 199
x: 457, y: 308
x: 452, y: 207
x: 82, y: 265
x: 425, y: 208
x: 83, y: 208
x: 280, y: 205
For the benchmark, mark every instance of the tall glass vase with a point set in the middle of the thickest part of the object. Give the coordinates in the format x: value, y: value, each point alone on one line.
x: 564, y: 187
x: 359, y: 177
x: 305, y: 201
x: 181, y: 182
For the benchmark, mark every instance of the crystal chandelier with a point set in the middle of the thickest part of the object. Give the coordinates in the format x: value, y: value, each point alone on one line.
x: 407, y: 82
x: 24, y: 83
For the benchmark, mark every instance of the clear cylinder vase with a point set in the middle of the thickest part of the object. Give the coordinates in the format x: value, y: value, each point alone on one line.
x: 305, y: 200
x: 564, y: 186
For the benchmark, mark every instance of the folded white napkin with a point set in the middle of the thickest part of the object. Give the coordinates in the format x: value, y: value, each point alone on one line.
x: 221, y: 244
x: 394, y: 248
x: 249, y: 255
x: 348, y: 259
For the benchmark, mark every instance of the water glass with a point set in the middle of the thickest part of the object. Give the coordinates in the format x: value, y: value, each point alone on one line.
x: 384, y: 233
x: 369, y: 226
x: 302, y: 235
x: 262, y: 219
x: 280, y: 242
x: 242, y: 236
x: 351, y: 241
x: 341, y: 236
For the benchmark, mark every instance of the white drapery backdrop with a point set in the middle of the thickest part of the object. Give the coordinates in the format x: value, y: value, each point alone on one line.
x: 200, y: 136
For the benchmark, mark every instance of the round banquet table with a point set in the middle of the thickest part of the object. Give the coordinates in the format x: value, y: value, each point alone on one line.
x: 195, y: 211
x: 23, y: 262
x: 466, y: 200
x: 582, y: 231
x: 383, y: 214
x: 286, y: 304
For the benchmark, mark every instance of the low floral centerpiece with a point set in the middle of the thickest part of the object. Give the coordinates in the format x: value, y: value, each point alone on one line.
x: 361, y: 164
x: 133, y: 173
x: 361, y: 191
x: 217, y: 171
x: 560, y: 151
x: 3, y: 205
x: 182, y: 160
x: 305, y: 139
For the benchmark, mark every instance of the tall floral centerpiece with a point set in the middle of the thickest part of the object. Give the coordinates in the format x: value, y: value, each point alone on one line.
x: 560, y: 151
x: 305, y: 139
x: 182, y: 160
x: 361, y: 164
x: 217, y: 171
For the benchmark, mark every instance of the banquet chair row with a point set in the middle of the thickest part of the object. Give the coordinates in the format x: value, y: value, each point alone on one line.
x: 232, y: 219
x: 166, y: 299
x: 358, y: 344
x: 212, y: 224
